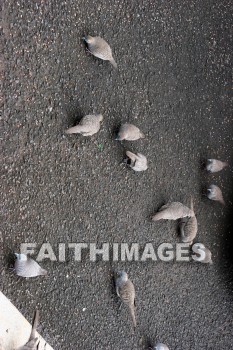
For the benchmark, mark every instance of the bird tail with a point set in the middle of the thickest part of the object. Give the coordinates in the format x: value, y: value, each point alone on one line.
x: 158, y: 216
x: 142, y: 135
x: 35, y: 323
x: 113, y: 62
x: 74, y: 130
x: 43, y: 272
x: 132, y: 314
x: 221, y: 200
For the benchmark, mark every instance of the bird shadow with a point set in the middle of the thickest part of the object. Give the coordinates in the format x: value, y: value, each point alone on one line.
x: 149, y: 344
x: 203, y: 176
x: 83, y: 41
x: 120, y: 148
x: 73, y: 112
x: 115, y: 130
x: 157, y: 207
x: 203, y: 192
x: 9, y: 257
x: 116, y: 299
x: 203, y: 162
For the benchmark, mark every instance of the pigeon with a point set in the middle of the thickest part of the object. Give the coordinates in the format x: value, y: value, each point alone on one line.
x: 173, y: 211
x: 88, y: 125
x: 214, y: 165
x: 32, y: 344
x: 137, y: 162
x: 188, y: 227
x: 160, y: 346
x: 27, y: 267
x: 125, y: 290
x: 214, y: 193
x: 100, y: 48
x: 129, y: 132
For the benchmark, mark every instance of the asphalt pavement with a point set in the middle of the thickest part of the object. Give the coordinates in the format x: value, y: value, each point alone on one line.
x: 174, y: 82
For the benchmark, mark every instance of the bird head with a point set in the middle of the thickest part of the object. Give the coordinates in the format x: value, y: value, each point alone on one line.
x: 119, y: 137
x: 123, y: 275
x: 88, y: 39
x: 21, y: 257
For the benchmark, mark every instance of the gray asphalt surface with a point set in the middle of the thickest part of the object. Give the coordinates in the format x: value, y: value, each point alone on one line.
x: 174, y: 82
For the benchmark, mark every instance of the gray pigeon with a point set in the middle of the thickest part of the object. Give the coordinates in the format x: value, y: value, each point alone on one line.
x: 138, y: 162
x: 27, y: 267
x: 88, y: 125
x: 188, y: 227
x: 129, y: 132
x: 32, y: 344
x: 125, y: 290
x: 160, y: 346
x: 214, y: 165
x: 173, y: 211
x: 100, y: 48
x: 214, y: 193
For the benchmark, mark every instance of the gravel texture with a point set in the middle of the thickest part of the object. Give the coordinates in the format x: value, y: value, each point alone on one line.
x: 174, y: 82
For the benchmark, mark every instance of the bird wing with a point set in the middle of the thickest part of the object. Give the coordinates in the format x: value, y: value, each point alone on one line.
x: 101, y: 49
x: 127, y: 292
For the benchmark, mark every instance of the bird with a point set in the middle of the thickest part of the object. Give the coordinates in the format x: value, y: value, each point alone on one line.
x: 214, y: 165
x: 214, y: 193
x: 173, y: 211
x: 126, y: 291
x: 32, y: 343
x: 160, y: 346
x: 137, y: 162
x: 129, y: 132
x: 188, y: 227
x: 88, y: 125
x: 98, y: 47
x: 27, y: 267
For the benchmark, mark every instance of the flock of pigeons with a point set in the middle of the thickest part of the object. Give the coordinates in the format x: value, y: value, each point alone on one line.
x: 88, y: 126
